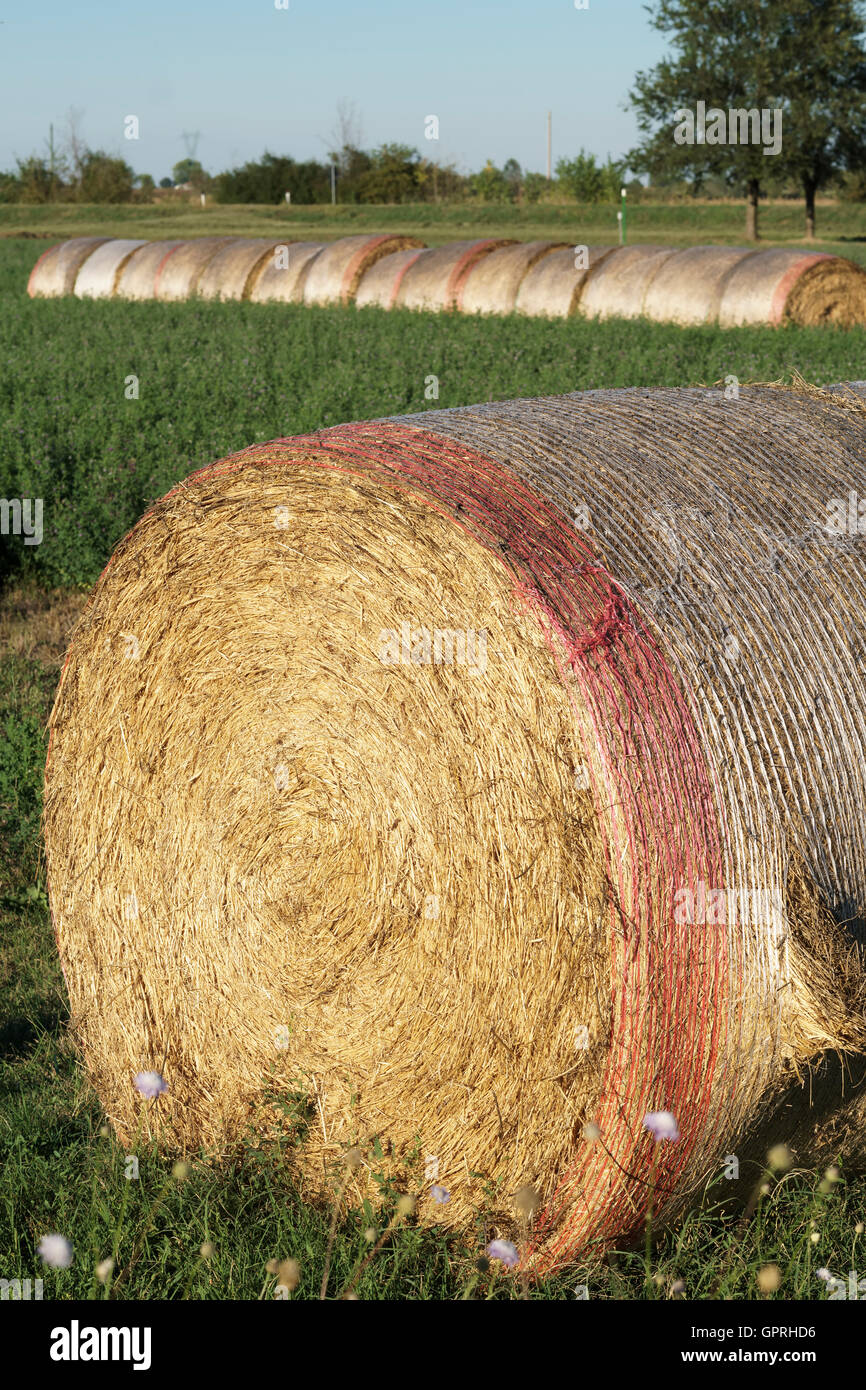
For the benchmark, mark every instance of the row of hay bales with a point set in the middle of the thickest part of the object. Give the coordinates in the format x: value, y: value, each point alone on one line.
x: 700, y: 284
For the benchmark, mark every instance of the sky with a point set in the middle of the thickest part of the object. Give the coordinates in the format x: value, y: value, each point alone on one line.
x: 249, y: 76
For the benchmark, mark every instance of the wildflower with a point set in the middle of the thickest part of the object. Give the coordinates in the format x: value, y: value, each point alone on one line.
x: 272, y: 1266
x: 104, y: 1132
x: 370, y: 1235
x: 769, y: 1278
x: 150, y: 1084
x: 405, y: 1206
x: 440, y: 1194
x: 832, y: 1174
x: 354, y: 1158
x: 181, y: 1170
x: 503, y: 1250
x: 858, y: 1229
x: 823, y: 1274
x: 780, y: 1158
x: 765, y: 1189
x: 815, y: 1237
x: 661, y: 1125
x: 56, y: 1251
x: 678, y: 1288
x: 591, y: 1132
x: 104, y: 1270
x: 208, y: 1250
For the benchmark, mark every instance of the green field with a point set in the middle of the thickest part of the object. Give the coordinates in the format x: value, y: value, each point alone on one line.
x: 841, y: 226
x: 213, y: 378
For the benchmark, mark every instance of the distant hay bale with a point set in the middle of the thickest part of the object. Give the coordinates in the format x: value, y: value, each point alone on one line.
x: 335, y: 275
x: 615, y: 288
x: 380, y: 284
x: 231, y: 273
x: 98, y: 277
x: 56, y: 270
x: 492, y: 776
x: 179, y: 272
x: 435, y: 279
x: 809, y: 289
x: 493, y: 283
x: 282, y: 275
x: 689, y: 286
x: 553, y: 286
x: 137, y: 275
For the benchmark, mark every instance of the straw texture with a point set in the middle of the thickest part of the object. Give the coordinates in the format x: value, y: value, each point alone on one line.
x: 335, y: 275
x: 616, y: 866
x: 381, y: 284
x: 137, y: 275
x: 617, y: 286
x: 55, y: 271
x: 98, y: 276
x: 688, y: 287
x: 492, y: 285
x: 553, y: 286
x: 435, y: 280
x: 178, y: 274
x: 779, y: 284
x: 282, y: 275
x: 231, y: 273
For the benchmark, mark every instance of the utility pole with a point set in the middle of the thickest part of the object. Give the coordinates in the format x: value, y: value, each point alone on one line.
x: 549, y: 144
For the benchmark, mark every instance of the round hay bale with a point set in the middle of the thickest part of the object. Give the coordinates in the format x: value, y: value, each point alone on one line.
x: 179, y: 272
x: 489, y: 773
x: 231, y: 273
x: 808, y: 288
x: 98, y: 277
x: 335, y: 275
x: 616, y: 287
x: 55, y: 271
x: 282, y: 275
x: 380, y: 285
x: 552, y: 288
x: 137, y: 275
x: 493, y: 283
x: 689, y: 286
x: 435, y: 279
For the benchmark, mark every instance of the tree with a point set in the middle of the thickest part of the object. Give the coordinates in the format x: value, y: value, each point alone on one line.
x: 824, y: 118
x: 728, y: 60
x: 103, y: 179
x: 190, y: 171
x: 581, y: 178
x: 490, y: 184
x: 268, y: 179
x: 393, y: 175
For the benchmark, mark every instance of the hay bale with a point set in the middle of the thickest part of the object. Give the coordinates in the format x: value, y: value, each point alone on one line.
x: 55, y: 271
x: 232, y: 272
x: 689, y: 286
x: 552, y: 288
x: 282, y: 275
x: 381, y: 284
x: 616, y: 287
x: 809, y: 289
x: 98, y: 277
x: 179, y: 272
x: 335, y: 275
x: 435, y: 279
x: 137, y: 275
x: 304, y: 823
x: 493, y: 283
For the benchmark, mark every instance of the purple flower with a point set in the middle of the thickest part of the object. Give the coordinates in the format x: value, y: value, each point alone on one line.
x: 56, y: 1251
x: 503, y: 1250
x: 150, y: 1084
x: 440, y: 1194
x: 661, y: 1125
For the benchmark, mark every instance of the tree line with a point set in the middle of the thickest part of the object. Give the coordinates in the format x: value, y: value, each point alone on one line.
x: 757, y: 99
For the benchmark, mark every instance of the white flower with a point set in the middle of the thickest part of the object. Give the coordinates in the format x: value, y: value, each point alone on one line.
x: 150, y: 1084
x: 661, y: 1125
x: 56, y: 1251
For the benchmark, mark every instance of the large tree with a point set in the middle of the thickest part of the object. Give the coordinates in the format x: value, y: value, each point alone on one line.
x: 802, y: 58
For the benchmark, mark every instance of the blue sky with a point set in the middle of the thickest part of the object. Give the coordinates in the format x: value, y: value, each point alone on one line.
x: 249, y: 76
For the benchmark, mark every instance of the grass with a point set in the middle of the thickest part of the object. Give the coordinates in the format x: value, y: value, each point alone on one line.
x: 214, y: 378
x: 841, y: 225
